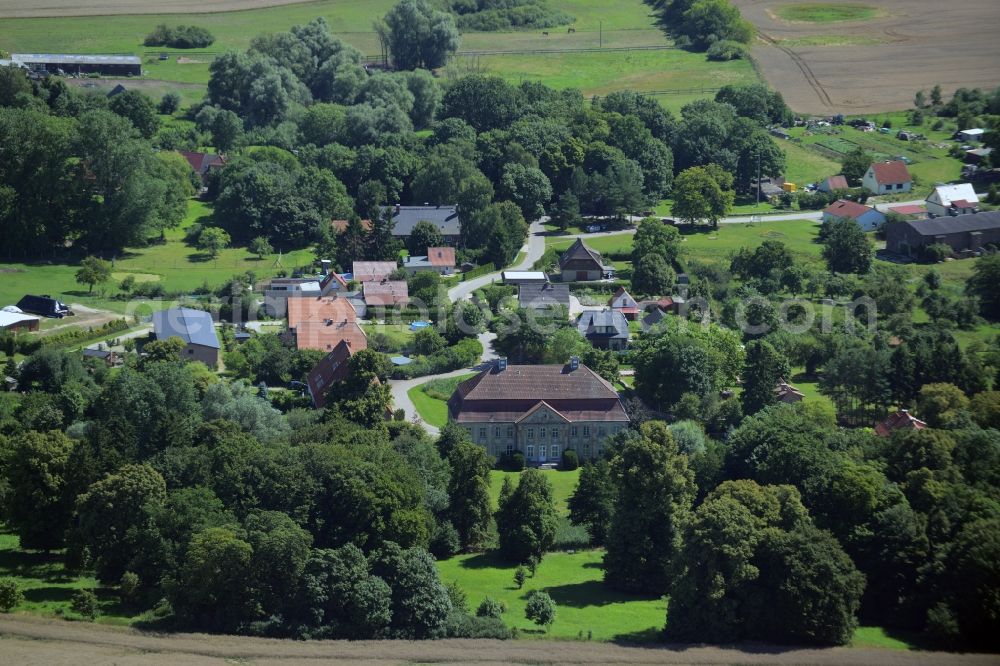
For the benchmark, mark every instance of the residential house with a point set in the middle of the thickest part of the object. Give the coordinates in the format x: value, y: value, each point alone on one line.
x: 372, y: 271
x: 109, y: 357
x: 910, y: 211
x: 581, y: 264
x: 203, y: 163
x: 787, y: 393
x: 44, y: 305
x: 195, y: 328
x: 331, y: 369
x: 523, y: 277
x: 832, y: 184
x: 13, y: 320
x: 445, y: 218
x: 901, y: 420
x: 952, y: 200
x: 539, y: 410
x: 606, y: 329
x: 887, y: 178
x: 623, y: 302
x: 440, y: 260
x: 655, y: 316
x: 324, y: 322
x: 386, y: 293
x: 964, y: 233
x: 533, y: 296
x: 866, y: 217
x: 279, y: 290
x: 977, y: 155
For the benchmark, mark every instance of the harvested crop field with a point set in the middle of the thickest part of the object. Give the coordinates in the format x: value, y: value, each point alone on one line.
x: 875, y: 65
x: 23, y: 9
x: 25, y: 640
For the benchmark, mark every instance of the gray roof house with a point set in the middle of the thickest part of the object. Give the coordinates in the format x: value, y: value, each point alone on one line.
x: 195, y: 328
x: 543, y: 296
x: 445, y: 218
x: 962, y: 233
x: 606, y: 329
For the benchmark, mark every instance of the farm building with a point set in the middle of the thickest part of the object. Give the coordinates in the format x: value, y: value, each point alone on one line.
x: 867, y: 218
x: 832, y: 184
x: 539, y: 410
x: 15, y: 321
x: 445, y: 218
x: 76, y: 63
x: 44, y: 305
x: 970, y: 135
x: 195, y: 328
x: 887, y: 177
x: 962, y: 233
x: 203, y: 163
x: 952, y: 200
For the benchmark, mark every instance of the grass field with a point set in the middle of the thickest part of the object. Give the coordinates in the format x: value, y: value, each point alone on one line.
x: 563, y: 485
x: 176, y: 265
x: 828, y: 12
x: 627, y: 24
x: 48, y: 586
x: 574, y: 581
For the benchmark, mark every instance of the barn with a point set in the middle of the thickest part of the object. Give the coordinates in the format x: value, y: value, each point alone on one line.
x: 78, y: 63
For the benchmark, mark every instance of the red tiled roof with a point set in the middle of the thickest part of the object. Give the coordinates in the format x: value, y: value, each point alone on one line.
x: 441, y: 256
x: 339, y: 226
x: 322, y: 308
x: 368, y: 271
x: 537, y: 382
x: 909, y: 209
x: 386, y: 292
x: 845, y: 208
x: 326, y: 335
x: 891, y: 172
x: 836, y: 183
x: 331, y: 368
x: 962, y: 203
x: 897, y: 421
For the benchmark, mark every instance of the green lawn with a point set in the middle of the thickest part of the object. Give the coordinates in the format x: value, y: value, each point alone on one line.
x: 828, y: 12
x: 48, y: 586
x: 563, y: 485
x: 583, y: 603
x: 178, y: 266
x: 806, y: 166
x: 431, y: 398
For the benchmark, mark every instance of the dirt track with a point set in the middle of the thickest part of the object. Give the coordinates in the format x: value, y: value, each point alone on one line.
x: 33, y: 640
x: 30, y: 8
x: 917, y: 44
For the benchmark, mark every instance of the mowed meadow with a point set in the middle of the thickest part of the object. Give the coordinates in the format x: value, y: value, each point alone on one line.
x: 528, y: 54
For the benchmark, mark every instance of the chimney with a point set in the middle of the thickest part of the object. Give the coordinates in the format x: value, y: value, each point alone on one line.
x: 574, y: 362
x: 326, y: 264
x: 397, y: 209
x: 501, y: 363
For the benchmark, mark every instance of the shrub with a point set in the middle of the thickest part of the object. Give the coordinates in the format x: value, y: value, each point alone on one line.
x: 10, y: 595
x: 520, y: 575
x: 128, y: 587
x: 935, y: 252
x: 179, y: 37
x: 511, y: 462
x: 489, y: 607
x: 169, y: 103
x: 728, y: 50
x: 570, y: 460
x: 85, y: 603
x: 461, y: 625
x: 540, y: 609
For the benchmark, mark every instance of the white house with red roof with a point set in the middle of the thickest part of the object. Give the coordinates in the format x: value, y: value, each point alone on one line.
x: 887, y: 178
x: 866, y: 217
x: 832, y: 184
x: 952, y: 200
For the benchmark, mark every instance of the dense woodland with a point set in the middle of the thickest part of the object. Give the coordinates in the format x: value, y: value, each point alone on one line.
x: 214, y: 504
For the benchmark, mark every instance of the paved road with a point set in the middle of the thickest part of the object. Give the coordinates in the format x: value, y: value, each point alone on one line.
x: 535, y: 248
